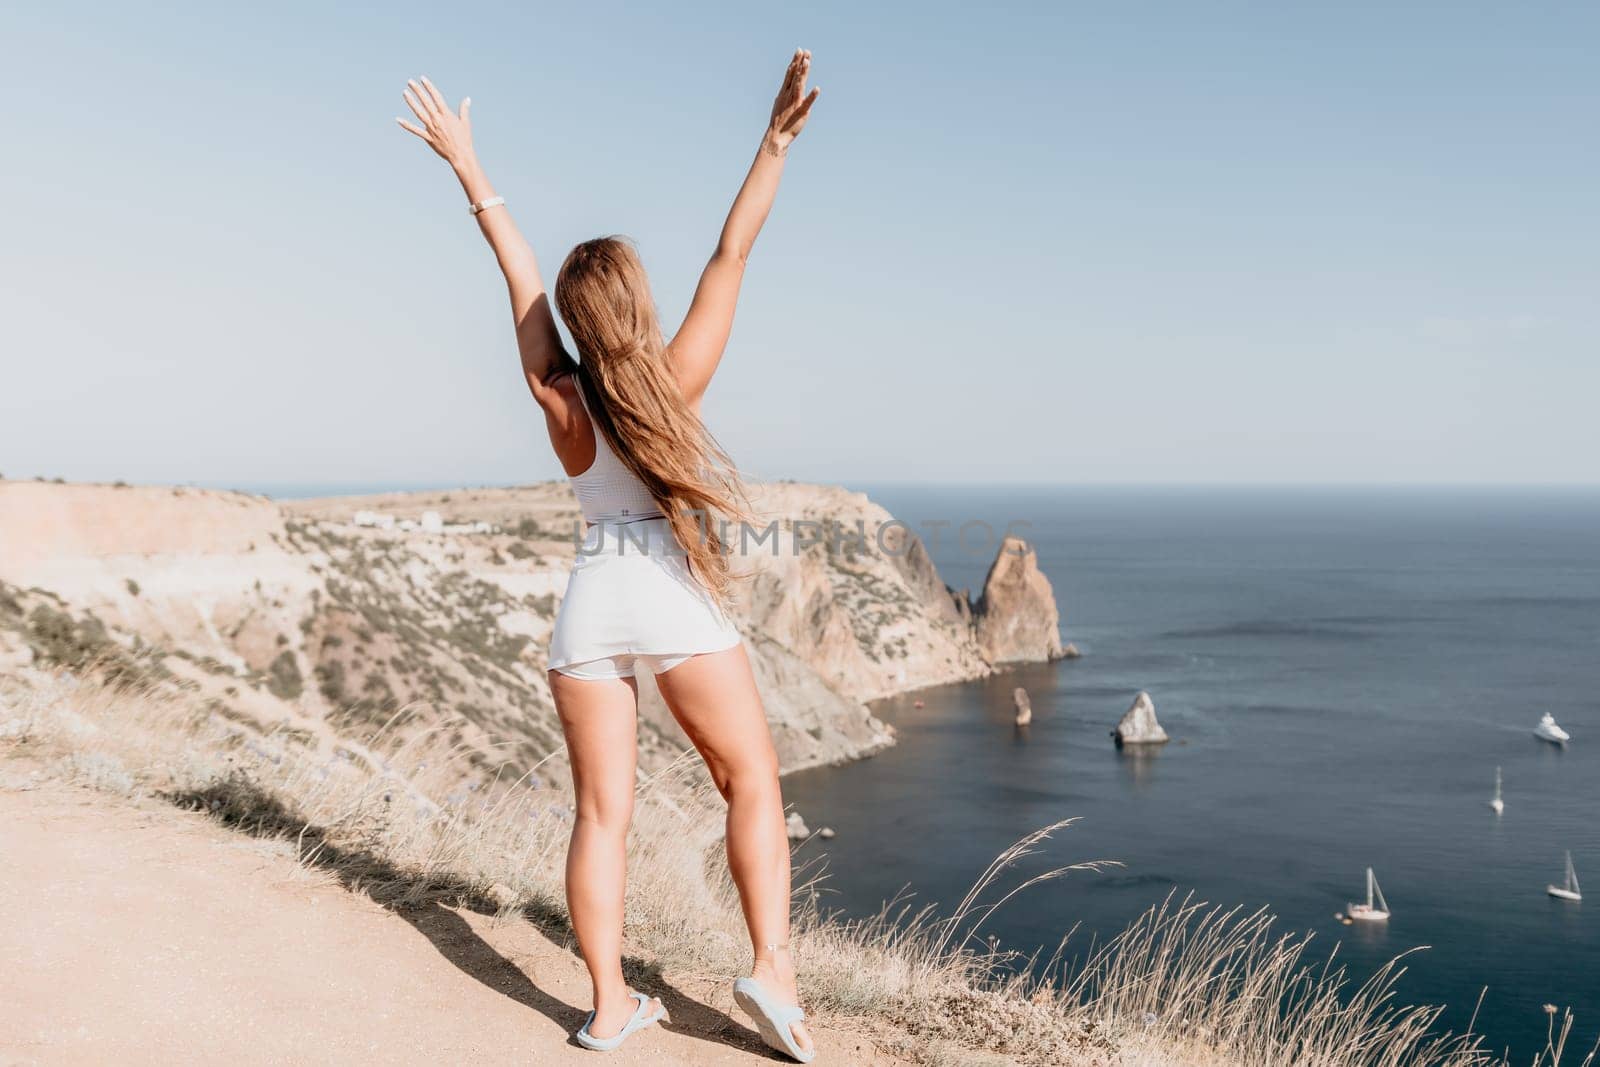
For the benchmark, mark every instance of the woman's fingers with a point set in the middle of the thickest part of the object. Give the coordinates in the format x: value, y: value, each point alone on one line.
x: 796, y: 118
x: 419, y: 131
x: 423, y: 100
x: 793, y: 102
x: 466, y: 107
x: 417, y: 107
x: 802, y: 71
x: 438, y: 97
x: 787, y: 89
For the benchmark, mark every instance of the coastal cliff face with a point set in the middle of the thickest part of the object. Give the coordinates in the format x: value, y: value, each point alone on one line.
x: 292, y: 616
x: 853, y: 594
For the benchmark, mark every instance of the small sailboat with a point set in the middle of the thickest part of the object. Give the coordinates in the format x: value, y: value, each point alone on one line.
x: 1547, y: 730
x: 1376, y: 909
x: 1498, y: 803
x: 1568, y: 890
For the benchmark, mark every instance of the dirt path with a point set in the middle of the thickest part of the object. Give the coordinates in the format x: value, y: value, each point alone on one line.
x: 142, y: 934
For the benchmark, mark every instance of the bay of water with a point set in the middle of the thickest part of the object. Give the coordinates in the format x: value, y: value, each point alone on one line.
x: 1341, y: 671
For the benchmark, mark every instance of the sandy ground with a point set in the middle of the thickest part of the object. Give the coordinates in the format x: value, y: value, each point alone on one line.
x: 138, y: 933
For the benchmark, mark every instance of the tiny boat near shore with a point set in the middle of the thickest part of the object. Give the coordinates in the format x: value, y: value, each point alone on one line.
x: 1498, y: 803
x: 1568, y: 890
x: 1376, y: 909
x: 1547, y: 730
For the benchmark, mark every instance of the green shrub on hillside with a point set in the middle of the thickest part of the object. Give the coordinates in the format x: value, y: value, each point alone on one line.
x: 83, y: 644
x: 60, y: 639
x: 284, y: 679
x: 330, y: 681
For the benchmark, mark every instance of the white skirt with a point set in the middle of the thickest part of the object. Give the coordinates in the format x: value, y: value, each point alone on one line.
x: 632, y: 594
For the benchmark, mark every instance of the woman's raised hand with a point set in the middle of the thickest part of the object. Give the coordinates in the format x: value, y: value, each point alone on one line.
x: 447, y: 133
x: 793, y: 105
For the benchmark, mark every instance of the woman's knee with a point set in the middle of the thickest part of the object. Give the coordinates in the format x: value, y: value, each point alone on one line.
x: 608, y: 814
x: 752, y: 778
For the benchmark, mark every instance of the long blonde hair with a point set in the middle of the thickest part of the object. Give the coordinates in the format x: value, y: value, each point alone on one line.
x: 635, y: 402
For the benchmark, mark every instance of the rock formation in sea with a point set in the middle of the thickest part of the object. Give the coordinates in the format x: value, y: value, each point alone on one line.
x: 1019, y: 697
x: 1139, y: 725
x: 796, y: 827
x: 1015, y: 619
x: 1071, y: 651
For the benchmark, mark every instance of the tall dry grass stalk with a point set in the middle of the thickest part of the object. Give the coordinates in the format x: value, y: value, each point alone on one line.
x: 1185, y: 983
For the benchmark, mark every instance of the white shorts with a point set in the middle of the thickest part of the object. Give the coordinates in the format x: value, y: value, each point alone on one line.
x: 621, y: 666
x: 632, y: 599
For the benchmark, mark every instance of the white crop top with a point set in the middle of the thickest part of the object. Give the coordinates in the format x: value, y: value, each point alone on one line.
x: 608, y: 491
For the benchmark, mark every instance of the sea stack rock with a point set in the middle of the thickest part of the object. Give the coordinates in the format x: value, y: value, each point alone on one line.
x: 1071, y: 652
x: 1139, y: 725
x: 1016, y: 620
x: 796, y: 826
x: 1024, y: 706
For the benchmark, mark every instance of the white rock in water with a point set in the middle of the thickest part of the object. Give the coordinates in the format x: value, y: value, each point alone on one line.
x: 826, y: 833
x: 1139, y: 725
x: 796, y: 827
x: 1024, y: 706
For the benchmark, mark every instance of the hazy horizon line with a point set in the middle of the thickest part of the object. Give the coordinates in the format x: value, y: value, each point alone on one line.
x: 295, y: 489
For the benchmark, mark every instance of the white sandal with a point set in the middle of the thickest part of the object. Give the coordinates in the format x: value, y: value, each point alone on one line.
x: 637, y: 1021
x: 772, y: 1017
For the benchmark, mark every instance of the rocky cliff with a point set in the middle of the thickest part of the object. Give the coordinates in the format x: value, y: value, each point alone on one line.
x: 294, y: 616
x: 1015, y: 619
x: 854, y: 594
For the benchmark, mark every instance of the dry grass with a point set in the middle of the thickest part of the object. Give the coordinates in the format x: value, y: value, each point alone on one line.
x: 1183, y: 984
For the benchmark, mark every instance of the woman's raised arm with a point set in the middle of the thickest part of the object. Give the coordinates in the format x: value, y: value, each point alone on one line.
x: 697, y: 348
x: 450, y: 135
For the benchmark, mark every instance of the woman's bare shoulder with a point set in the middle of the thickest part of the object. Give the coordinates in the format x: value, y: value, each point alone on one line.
x: 568, y: 422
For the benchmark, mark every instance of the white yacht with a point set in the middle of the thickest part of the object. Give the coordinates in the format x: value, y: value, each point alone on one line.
x: 1547, y: 730
x: 1376, y: 909
x: 1498, y: 803
x: 1567, y: 890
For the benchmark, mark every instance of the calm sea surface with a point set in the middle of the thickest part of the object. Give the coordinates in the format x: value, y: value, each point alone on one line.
x: 1341, y: 672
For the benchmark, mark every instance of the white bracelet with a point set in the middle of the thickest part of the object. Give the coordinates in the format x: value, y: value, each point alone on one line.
x: 493, y: 201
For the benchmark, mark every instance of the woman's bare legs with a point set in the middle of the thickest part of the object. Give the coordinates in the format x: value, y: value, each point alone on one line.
x: 600, y: 720
x: 714, y: 699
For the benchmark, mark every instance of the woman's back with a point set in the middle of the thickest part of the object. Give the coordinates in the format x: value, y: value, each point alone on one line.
x: 608, y: 491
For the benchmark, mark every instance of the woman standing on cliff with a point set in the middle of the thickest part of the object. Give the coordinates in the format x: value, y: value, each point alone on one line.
x: 624, y: 419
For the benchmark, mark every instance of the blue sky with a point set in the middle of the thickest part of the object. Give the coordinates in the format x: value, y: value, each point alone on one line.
x: 1072, y: 243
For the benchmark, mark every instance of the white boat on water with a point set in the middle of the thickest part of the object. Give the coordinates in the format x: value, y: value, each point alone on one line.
x: 1376, y: 909
x: 1498, y: 804
x: 1547, y: 730
x: 1568, y: 890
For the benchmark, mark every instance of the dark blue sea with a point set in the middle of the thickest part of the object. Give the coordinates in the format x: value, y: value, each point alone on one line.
x: 1340, y: 670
